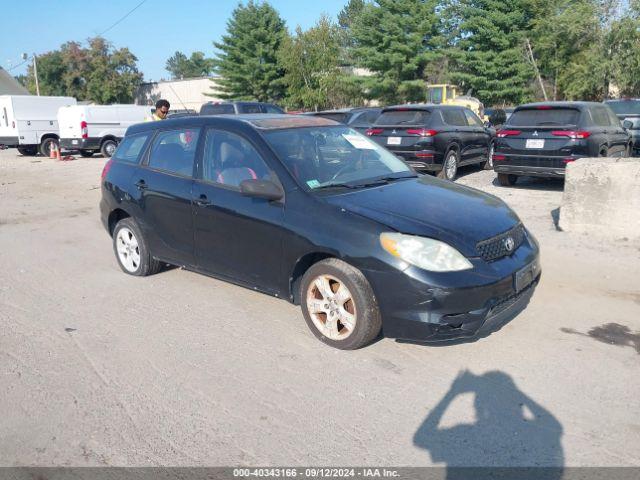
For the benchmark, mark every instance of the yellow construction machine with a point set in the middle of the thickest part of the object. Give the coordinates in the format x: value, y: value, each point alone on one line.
x: 447, y: 94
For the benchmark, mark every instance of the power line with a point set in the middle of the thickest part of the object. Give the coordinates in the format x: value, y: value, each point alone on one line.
x: 18, y: 65
x: 125, y: 16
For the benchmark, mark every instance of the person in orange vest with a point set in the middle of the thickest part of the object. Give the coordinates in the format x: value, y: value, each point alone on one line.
x: 162, y: 109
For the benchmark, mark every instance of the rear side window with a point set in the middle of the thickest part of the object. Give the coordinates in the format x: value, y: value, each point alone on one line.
x: 272, y: 109
x: 473, y: 119
x: 174, y: 150
x: 613, y: 119
x: 530, y: 117
x: 454, y: 116
x: 131, y: 147
x: 223, y: 108
x: 250, y: 108
x: 404, y: 117
x: 600, y: 116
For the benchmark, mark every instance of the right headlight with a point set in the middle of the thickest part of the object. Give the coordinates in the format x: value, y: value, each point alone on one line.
x: 425, y: 253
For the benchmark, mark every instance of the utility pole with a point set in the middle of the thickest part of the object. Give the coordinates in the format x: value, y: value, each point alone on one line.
x: 35, y: 73
x: 535, y: 67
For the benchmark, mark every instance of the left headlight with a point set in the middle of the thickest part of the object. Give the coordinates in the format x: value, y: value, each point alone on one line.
x: 425, y: 253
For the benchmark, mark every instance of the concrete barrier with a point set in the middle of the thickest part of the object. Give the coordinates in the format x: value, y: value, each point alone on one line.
x: 602, y: 196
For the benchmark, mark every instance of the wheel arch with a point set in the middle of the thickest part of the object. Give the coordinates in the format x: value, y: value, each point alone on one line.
x: 114, y: 217
x: 44, y: 136
x: 108, y: 137
x: 299, y: 269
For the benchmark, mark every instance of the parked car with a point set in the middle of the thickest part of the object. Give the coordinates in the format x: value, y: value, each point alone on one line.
x: 539, y: 139
x: 434, y: 138
x: 97, y: 128
x: 628, y: 111
x: 351, y: 234
x: 236, y: 108
x: 29, y: 123
x: 360, y: 118
x: 185, y: 112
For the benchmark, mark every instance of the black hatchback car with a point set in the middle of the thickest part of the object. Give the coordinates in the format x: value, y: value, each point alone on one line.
x: 309, y: 210
x: 539, y: 139
x: 434, y: 138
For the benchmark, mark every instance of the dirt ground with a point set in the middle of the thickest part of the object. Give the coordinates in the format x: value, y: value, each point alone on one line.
x: 101, y: 368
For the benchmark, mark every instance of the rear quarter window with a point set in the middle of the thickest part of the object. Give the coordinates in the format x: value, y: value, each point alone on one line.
x: 131, y: 147
x: 404, y: 117
x: 533, y: 117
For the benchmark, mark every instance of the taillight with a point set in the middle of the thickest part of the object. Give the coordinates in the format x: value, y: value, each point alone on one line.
x: 84, y: 131
x: 498, y: 158
x: 424, y: 155
x: 374, y: 131
x: 508, y: 133
x: 422, y: 132
x: 544, y: 107
x: 573, y: 134
x: 569, y: 160
x: 106, y: 168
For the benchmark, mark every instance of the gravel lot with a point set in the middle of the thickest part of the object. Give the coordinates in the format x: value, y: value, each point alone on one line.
x: 100, y: 368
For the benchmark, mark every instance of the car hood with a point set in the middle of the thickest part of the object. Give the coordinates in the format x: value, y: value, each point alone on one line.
x: 425, y: 206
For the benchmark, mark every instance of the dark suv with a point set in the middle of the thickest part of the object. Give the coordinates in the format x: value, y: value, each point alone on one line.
x: 434, y: 138
x: 628, y: 111
x: 359, y: 118
x: 236, y: 108
x: 539, y: 139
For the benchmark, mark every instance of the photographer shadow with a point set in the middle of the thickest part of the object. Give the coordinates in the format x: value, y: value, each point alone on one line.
x: 512, y: 437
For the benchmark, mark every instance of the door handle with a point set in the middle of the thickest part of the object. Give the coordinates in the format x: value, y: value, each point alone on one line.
x: 141, y: 184
x: 202, y: 201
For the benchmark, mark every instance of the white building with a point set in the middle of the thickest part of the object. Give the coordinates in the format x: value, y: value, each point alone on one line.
x: 188, y: 93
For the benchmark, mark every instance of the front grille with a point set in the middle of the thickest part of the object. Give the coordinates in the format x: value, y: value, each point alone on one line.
x: 496, y: 247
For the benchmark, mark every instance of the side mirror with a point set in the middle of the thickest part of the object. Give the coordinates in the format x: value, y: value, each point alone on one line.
x: 261, y: 189
x: 627, y: 124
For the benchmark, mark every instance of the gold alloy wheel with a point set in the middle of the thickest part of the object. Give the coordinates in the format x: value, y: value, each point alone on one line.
x: 331, y: 307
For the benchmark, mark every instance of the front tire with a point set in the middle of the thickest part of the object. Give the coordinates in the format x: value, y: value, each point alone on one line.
x: 132, y: 251
x: 108, y: 147
x: 507, y: 180
x: 449, y: 166
x: 339, y: 305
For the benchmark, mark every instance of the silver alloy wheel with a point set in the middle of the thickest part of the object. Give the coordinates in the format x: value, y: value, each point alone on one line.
x: 128, y: 250
x: 490, y: 160
x: 450, y: 166
x: 331, y: 307
x: 110, y: 148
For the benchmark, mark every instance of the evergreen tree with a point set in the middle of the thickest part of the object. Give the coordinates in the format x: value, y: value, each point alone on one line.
x: 396, y: 39
x: 181, y: 66
x: 488, y: 49
x: 247, y: 58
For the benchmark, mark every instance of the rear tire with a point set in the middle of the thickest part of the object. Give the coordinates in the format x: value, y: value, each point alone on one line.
x: 603, y: 152
x: 86, y: 153
x: 507, y: 180
x: 449, y: 166
x: 28, y: 151
x: 45, y: 146
x: 339, y: 305
x: 132, y: 251
x: 108, y: 147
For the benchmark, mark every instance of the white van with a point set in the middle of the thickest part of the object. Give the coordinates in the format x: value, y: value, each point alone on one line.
x: 93, y: 128
x: 29, y: 122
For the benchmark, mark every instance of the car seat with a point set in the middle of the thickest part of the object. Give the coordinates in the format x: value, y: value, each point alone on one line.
x: 233, y: 165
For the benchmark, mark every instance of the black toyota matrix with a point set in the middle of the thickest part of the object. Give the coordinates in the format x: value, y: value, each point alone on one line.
x: 309, y: 210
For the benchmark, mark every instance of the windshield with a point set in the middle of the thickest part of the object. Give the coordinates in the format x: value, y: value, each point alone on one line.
x: 334, y: 156
x: 529, y: 117
x: 435, y: 95
x: 625, y: 107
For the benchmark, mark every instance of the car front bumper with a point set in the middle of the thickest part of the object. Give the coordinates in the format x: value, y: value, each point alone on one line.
x: 415, y: 307
x: 80, y: 143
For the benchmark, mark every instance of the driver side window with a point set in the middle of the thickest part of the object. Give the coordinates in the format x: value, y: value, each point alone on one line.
x: 228, y: 159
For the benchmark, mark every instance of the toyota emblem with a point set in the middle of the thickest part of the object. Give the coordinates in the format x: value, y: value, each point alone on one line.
x: 509, y: 243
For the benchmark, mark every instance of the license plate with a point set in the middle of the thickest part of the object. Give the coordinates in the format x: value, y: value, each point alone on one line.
x: 526, y: 275
x: 394, y: 141
x: 534, y: 143
x: 74, y: 142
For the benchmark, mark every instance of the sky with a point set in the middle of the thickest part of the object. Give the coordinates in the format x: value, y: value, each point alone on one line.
x: 153, y: 32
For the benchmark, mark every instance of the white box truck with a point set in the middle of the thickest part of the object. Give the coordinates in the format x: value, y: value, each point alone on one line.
x: 29, y: 123
x: 97, y: 128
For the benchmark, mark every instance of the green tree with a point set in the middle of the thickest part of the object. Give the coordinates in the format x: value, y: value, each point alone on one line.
x: 487, y: 53
x: 346, y: 19
x: 396, y: 40
x: 247, y: 55
x: 624, y: 44
x: 181, y: 66
x: 50, y: 74
x: 311, y: 62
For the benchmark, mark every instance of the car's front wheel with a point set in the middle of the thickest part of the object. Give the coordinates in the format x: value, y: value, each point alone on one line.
x: 339, y: 305
x: 131, y: 249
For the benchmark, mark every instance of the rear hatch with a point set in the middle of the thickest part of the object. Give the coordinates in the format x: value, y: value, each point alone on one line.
x: 403, y: 130
x: 69, y: 121
x: 542, y: 136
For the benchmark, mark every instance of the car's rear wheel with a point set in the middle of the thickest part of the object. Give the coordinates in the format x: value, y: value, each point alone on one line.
x: 449, y: 166
x: 604, y: 152
x: 108, y: 147
x: 86, y: 153
x: 28, y: 151
x: 488, y: 165
x: 339, y: 305
x: 131, y: 249
x: 507, y: 180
